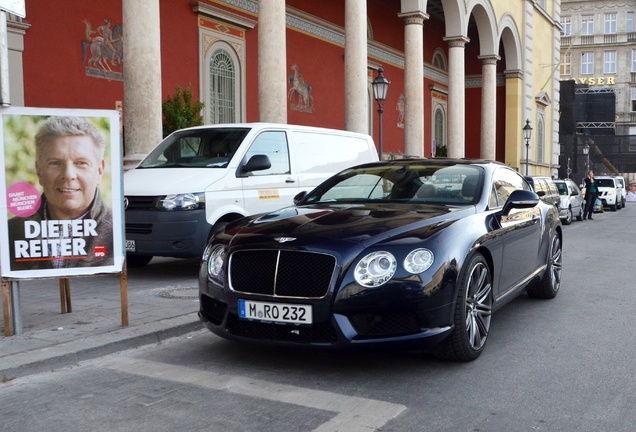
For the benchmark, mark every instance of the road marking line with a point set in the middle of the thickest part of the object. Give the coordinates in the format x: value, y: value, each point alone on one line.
x: 355, y: 414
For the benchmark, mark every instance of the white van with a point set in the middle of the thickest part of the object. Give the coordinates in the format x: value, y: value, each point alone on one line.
x: 199, y: 179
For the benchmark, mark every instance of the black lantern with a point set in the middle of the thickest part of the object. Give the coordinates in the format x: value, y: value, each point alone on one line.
x: 380, y: 89
x: 586, y: 153
x: 527, y: 134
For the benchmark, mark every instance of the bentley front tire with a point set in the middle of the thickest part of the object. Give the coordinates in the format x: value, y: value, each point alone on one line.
x: 551, y: 280
x: 473, y: 311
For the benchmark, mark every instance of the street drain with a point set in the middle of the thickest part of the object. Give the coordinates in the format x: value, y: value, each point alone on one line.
x: 180, y: 293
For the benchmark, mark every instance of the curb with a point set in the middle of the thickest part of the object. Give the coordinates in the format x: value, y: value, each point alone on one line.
x: 70, y: 353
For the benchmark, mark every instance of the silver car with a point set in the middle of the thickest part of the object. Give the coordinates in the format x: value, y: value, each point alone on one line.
x: 572, y: 201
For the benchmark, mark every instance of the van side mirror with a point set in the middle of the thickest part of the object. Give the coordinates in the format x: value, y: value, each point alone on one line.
x: 258, y: 162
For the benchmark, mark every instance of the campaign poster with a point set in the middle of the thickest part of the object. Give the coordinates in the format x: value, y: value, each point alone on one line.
x: 61, y: 211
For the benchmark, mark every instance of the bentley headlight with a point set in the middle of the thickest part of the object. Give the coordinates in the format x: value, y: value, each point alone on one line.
x: 375, y: 269
x: 215, y: 256
x: 418, y: 260
x: 188, y: 201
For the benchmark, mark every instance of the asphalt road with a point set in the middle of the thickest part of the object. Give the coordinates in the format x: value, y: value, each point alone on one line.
x: 565, y: 364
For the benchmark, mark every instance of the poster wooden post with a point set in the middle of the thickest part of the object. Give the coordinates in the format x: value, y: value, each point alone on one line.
x: 65, y: 296
x: 62, y: 297
x: 123, y: 289
x: 6, y: 308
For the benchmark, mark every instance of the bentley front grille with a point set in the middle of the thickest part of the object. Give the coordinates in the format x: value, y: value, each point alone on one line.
x: 281, y: 273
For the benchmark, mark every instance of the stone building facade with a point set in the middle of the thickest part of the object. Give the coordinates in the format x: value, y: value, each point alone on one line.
x: 465, y: 75
x: 598, y: 54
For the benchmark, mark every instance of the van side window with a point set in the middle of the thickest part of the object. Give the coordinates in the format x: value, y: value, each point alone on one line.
x: 274, y: 145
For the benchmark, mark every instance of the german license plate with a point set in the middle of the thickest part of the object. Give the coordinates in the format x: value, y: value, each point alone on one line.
x: 275, y: 312
x: 130, y: 246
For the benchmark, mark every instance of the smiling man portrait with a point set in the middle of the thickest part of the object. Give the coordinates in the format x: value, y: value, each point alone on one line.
x: 73, y: 226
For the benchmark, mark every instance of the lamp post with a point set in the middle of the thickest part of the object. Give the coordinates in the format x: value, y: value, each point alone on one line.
x: 586, y: 153
x: 527, y: 134
x: 380, y: 88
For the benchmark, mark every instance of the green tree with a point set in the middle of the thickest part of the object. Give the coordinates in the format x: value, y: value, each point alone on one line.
x: 181, y: 111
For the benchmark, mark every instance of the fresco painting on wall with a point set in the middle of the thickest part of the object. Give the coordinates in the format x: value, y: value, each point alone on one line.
x: 106, y: 49
x: 400, y: 109
x: 300, y: 92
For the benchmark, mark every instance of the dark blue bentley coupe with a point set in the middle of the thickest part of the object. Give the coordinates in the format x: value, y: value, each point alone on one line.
x: 414, y: 253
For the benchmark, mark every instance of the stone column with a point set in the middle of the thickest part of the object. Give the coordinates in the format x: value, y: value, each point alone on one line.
x: 142, y: 79
x: 414, y: 82
x: 515, y: 147
x: 488, y: 147
x: 456, y: 97
x: 272, y: 62
x: 356, y: 110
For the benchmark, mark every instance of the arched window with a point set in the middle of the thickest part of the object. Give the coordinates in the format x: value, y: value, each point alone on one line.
x: 222, y: 88
x: 439, y: 127
x: 540, y: 138
x: 439, y: 60
x: 222, y: 75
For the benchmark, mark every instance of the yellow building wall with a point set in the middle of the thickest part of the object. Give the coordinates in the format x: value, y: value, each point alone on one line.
x: 542, y: 80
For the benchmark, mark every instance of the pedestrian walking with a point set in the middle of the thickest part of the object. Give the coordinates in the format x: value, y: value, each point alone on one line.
x: 591, y: 193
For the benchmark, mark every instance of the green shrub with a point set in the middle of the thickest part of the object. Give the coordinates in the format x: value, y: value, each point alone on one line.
x: 441, y: 151
x: 181, y: 111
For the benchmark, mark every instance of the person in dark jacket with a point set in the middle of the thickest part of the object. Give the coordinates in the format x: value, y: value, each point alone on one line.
x: 591, y: 193
x: 73, y: 226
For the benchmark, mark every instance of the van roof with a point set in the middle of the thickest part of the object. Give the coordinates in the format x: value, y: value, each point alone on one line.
x: 267, y: 125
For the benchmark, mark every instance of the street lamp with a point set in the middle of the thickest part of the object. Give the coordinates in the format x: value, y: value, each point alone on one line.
x: 380, y: 88
x: 586, y: 153
x: 527, y: 134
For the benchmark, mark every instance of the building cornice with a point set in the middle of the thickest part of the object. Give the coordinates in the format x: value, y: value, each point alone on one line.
x: 211, y: 11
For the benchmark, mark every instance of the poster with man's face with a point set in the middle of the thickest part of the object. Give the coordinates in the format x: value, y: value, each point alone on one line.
x: 61, y: 210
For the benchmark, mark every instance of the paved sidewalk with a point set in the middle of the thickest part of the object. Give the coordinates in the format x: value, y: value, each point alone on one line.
x: 162, y: 303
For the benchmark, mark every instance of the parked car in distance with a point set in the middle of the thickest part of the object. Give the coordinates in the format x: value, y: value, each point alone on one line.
x: 546, y: 189
x: 572, y: 201
x: 413, y: 253
x: 623, y: 184
x: 199, y: 179
x: 609, y: 192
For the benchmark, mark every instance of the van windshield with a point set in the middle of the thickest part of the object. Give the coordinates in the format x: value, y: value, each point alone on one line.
x: 196, y: 148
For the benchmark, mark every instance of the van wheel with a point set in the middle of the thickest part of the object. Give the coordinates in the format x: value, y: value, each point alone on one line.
x: 136, y: 261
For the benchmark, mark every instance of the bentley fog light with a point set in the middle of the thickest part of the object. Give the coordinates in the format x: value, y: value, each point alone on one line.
x: 375, y: 269
x: 418, y: 260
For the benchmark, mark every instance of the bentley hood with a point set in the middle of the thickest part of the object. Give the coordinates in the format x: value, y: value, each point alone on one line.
x: 364, y: 224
